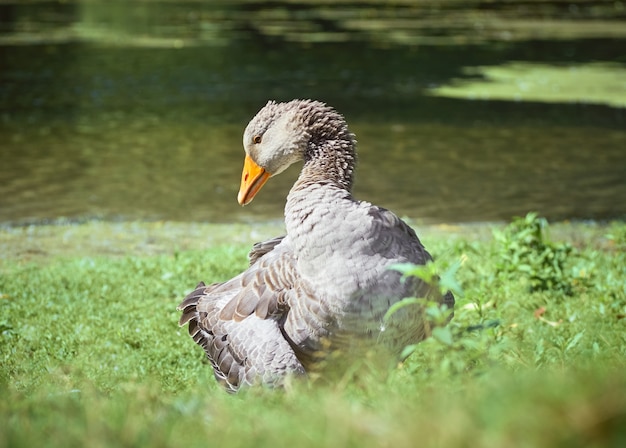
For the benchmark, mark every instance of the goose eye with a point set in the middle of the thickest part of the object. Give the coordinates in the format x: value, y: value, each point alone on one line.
x: 256, y: 139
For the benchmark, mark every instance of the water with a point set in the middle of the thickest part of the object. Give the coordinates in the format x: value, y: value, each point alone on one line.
x: 136, y: 112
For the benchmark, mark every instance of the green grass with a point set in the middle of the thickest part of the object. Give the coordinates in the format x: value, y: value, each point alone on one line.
x: 91, y: 353
x: 594, y: 83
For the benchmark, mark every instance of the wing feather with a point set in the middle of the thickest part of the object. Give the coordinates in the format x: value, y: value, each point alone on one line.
x: 237, y: 322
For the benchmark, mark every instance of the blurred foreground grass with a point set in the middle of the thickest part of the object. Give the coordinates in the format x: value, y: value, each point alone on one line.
x: 91, y: 353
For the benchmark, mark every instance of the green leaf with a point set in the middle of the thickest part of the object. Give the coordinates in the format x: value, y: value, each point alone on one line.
x: 575, y: 340
x: 401, y: 304
x: 404, y: 268
x: 425, y: 272
x: 448, y: 281
x: 443, y: 334
x: 407, y: 351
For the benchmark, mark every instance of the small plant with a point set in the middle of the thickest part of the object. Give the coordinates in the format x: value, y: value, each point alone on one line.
x: 526, y: 251
x: 458, y: 345
x: 436, y: 316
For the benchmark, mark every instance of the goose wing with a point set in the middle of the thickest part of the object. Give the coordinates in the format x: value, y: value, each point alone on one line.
x: 261, y: 248
x: 238, y: 322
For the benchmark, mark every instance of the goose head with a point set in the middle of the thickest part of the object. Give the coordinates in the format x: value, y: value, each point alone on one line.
x: 273, y: 140
x: 284, y: 133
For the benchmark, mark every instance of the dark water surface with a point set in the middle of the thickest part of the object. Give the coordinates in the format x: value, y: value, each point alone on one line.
x: 119, y: 112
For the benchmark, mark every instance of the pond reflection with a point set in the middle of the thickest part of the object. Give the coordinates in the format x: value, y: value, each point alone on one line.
x: 140, y: 116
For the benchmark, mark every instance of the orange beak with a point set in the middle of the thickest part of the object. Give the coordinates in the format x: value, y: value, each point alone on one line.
x: 253, y: 178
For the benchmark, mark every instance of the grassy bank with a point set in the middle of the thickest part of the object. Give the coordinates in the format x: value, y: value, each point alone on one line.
x: 91, y: 353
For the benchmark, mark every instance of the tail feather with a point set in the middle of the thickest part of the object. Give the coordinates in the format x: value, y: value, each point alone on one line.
x: 188, y: 305
x: 242, y: 351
